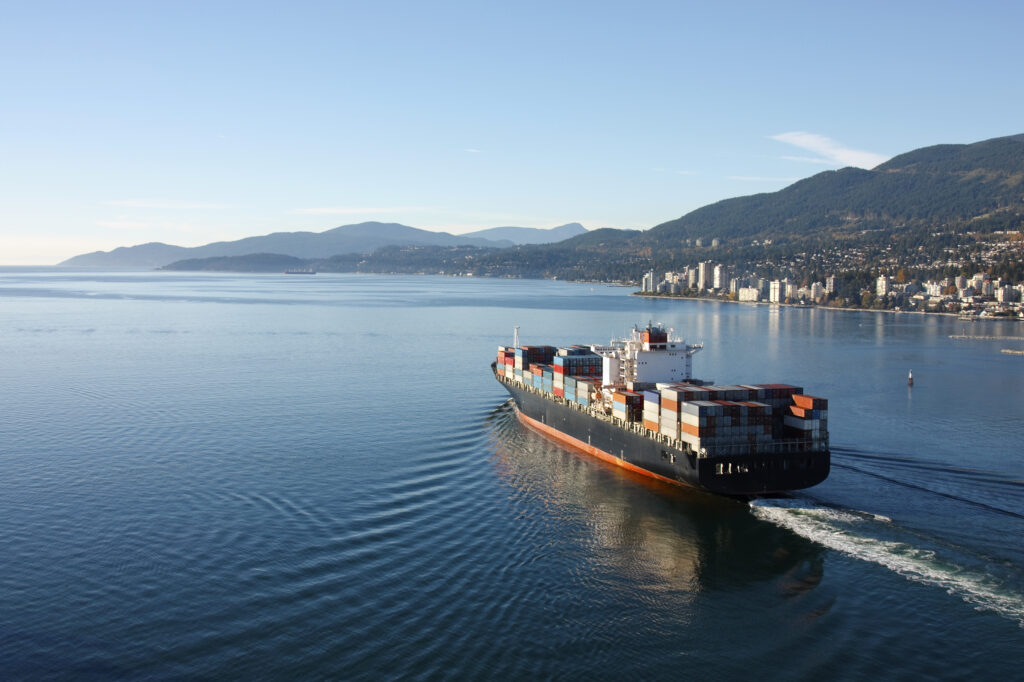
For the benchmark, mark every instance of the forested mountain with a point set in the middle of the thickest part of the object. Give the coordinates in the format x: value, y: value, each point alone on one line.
x: 941, y: 186
x: 360, y: 238
x: 920, y: 209
x: 529, y: 235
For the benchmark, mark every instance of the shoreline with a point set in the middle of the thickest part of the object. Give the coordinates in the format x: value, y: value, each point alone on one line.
x: 823, y: 307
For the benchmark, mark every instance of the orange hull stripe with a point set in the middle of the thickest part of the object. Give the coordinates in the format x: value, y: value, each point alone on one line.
x: 588, y: 449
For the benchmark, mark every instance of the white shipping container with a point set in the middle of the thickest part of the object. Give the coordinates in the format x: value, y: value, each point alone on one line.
x: 692, y: 419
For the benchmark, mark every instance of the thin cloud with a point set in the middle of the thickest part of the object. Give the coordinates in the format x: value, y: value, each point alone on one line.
x: 809, y: 159
x: 158, y: 204
x: 829, y: 150
x: 759, y: 178
x: 357, y: 210
x: 124, y: 224
x: 471, y: 150
x: 166, y: 225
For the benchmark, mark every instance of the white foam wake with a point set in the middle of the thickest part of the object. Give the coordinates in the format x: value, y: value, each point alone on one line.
x: 849, y: 532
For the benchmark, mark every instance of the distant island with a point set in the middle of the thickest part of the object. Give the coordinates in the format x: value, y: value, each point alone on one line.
x: 361, y: 238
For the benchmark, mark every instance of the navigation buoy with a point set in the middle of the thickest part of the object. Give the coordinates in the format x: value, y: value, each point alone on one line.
x: 910, y: 378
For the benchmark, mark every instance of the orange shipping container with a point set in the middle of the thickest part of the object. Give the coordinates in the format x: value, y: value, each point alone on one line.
x: 809, y: 402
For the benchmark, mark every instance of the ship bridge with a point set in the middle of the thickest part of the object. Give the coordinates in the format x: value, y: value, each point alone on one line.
x: 650, y: 355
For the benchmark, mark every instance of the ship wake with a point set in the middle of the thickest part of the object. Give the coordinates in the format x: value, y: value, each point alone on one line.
x: 876, y: 539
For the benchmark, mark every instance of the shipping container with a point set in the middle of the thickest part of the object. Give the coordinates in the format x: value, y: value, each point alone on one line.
x: 810, y: 402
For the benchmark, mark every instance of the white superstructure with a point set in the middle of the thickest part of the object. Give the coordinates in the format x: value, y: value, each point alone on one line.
x: 649, y: 356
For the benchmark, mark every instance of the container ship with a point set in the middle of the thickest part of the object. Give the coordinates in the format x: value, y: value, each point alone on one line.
x: 634, y: 403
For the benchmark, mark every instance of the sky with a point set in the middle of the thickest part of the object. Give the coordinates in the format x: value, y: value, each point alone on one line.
x: 185, y: 122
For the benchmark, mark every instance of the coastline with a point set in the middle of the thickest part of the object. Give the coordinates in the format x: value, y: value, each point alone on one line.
x: 821, y: 307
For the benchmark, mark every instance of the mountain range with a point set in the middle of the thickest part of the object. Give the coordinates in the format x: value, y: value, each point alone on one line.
x: 360, y: 238
x: 922, y: 201
x: 938, y: 186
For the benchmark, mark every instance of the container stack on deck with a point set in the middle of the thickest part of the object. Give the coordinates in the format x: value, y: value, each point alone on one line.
x: 627, y: 405
x: 710, y: 418
x: 574, y: 361
x: 725, y: 423
x: 507, y: 361
x: 807, y: 418
x: 652, y: 410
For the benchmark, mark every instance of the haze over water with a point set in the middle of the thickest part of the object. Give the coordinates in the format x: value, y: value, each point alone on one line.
x: 268, y: 476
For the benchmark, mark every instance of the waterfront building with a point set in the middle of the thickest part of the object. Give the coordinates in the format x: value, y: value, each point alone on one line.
x: 705, y: 275
x: 882, y: 286
x: 749, y: 294
x: 647, y: 284
x: 721, y: 277
x: 1007, y: 294
x: 777, y: 291
x: 817, y: 291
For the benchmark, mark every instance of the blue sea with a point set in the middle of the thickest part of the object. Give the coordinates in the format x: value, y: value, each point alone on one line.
x: 269, y: 476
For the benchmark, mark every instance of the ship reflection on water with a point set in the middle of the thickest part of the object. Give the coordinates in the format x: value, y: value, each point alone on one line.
x: 667, y: 538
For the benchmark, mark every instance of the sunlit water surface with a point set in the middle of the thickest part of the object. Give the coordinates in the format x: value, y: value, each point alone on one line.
x: 270, y: 476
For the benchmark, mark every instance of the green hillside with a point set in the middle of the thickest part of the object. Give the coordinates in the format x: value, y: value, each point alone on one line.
x: 937, y: 187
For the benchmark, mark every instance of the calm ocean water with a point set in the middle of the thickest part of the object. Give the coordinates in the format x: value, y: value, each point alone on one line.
x: 270, y: 476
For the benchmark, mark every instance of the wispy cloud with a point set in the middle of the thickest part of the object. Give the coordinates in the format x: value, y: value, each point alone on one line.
x: 810, y: 159
x: 160, y: 204
x: 759, y: 178
x: 358, y: 210
x: 124, y: 224
x: 676, y: 172
x: 829, y: 151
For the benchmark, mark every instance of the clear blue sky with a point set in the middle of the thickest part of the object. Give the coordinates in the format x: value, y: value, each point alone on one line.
x: 192, y: 122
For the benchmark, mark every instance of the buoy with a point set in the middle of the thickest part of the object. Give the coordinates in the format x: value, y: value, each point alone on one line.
x: 910, y: 378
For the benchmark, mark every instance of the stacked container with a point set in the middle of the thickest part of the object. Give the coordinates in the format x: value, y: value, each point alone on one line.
x: 580, y: 363
x: 652, y: 410
x: 671, y: 397
x: 807, y: 418
x: 573, y: 361
x: 627, y: 405
x: 536, y: 377
x: 586, y: 389
x: 714, y: 423
x: 506, y: 361
x: 528, y: 355
x: 568, y: 388
x: 713, y: 418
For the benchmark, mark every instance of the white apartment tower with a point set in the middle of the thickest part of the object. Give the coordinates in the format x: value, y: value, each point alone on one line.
x: 721, y: 280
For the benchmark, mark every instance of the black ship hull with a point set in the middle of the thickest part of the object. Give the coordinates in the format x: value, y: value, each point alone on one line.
x: 741, y: 475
